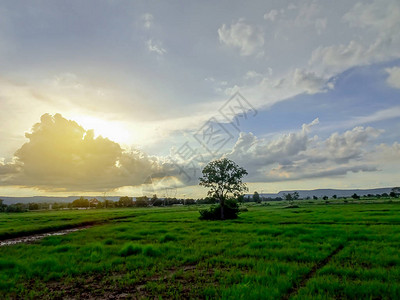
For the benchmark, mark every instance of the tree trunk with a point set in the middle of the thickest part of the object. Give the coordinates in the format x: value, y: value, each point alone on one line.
x: 222, y: 204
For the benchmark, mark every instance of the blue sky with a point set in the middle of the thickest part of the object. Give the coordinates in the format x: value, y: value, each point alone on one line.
x: 323, y: 76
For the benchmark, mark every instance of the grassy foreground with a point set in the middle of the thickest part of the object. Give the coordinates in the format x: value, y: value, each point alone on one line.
x: 315, y: 251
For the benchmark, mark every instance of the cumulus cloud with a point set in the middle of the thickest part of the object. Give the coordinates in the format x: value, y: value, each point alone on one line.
x: 155, y: 46
x: 297, y: 156
x: 308, y: 81
x: 248, y: 39
x: 394, y: 77
x: 388, y: 154
x: 62, y: 156
x: 256, y: 153
x: 349, y: 145
x: 294, y: 83
x: 387, y: 157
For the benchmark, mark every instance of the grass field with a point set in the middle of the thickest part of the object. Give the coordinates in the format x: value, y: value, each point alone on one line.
x: 347, y: 251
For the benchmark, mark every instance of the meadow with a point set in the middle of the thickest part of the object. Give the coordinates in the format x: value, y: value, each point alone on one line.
x: 318, y: 250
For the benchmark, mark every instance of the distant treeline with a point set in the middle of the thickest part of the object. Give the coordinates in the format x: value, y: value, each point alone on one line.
x: 83, y: 203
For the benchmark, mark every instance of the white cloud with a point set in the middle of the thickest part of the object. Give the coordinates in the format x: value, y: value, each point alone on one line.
x: 248, y: 39
x: 258, y: 153
x: 349, y: 145
x: 296, y: 156
x: 387, y: 153
x: 148, y: 20
x: 308, y: 81
x: 155, y: 46
x: 334, y: 59
x: 394, y: 77
x: 62, y: 156
x: 380, y: 115
x: 308, y: 16
x: 382, y: 19
x: 271, y: 15
x: 380, y: 15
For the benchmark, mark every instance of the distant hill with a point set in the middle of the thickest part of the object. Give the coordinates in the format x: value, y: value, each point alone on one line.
x: 330, y: 192
x: 302, y: 193
x: 43, y: 199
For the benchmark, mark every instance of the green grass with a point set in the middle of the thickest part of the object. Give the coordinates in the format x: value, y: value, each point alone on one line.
x: 18, y: 224
x: 168, y: 252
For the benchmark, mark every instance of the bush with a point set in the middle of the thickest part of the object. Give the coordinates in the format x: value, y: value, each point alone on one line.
x: 231, y: 211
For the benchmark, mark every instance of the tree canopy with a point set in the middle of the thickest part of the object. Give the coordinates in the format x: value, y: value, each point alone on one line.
x: 223, y: 177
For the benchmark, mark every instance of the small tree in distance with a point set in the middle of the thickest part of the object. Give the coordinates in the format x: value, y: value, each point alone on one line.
x: 395, y: 192
x: 224, y: 178
x: 256, y: 197
x: 290, y: 197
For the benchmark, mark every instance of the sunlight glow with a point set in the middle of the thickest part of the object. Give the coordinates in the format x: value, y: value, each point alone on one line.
x: 115, y: 131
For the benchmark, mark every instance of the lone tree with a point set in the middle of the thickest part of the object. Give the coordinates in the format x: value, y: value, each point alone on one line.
x: 290, y: 197
x: 395, y: 192
x: 256, y: 197
x: 224, y: 178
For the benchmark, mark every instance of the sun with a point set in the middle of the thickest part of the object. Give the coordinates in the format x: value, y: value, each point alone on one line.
x: 114, y: 130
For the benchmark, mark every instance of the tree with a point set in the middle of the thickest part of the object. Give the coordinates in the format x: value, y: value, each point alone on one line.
x: 355, y: 196
x: 290, y: 197
x: 224, y: 178
x: 256, y: 197
x: 33, y: 206
x: 154, y: 199
x: 81, y: 202
x: 125, y: 201
x: 334, y: 196
x: 325, y: 198
x: 108, y: 203
x: 315, y: 197
x: 396, y: 191
x: 3, y: 207
x: 142, y: 201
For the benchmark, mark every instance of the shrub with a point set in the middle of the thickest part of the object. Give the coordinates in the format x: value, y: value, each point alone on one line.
x: 130, y: 249
x: 231, y: 211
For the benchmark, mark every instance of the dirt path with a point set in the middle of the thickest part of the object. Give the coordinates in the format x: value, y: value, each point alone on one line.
x: 29, y: 237
x: 295, y: 288
x: 35, y: 237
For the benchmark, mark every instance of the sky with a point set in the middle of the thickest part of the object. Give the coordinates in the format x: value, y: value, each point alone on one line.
x: 135, y: 97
